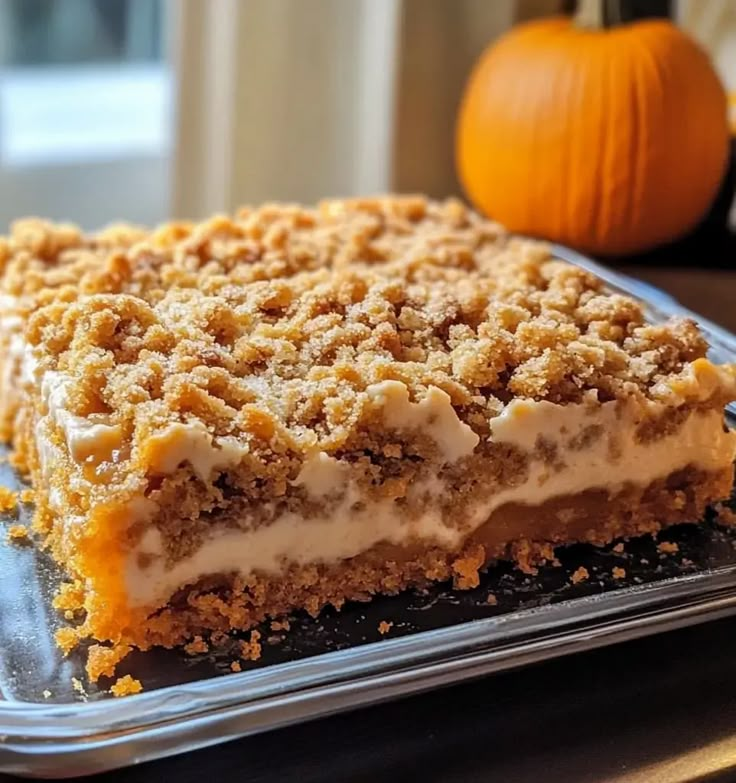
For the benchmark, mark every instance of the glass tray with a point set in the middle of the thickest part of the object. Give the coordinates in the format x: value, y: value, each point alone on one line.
x: 54, y: 724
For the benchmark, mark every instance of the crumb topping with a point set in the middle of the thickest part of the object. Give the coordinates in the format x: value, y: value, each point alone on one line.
x: 79, y: 688
x: 272, y: 327
x: 69, y: 597
x: 725, y: 515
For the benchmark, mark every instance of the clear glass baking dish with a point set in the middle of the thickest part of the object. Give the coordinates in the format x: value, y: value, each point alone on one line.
x: 52, y: 725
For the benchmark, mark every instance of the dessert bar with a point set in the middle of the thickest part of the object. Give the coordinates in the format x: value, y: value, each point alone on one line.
x: 229, y: 421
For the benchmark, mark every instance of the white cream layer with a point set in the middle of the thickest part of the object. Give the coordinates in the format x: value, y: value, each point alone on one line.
x: 84, y: 437
x: 345, y: 531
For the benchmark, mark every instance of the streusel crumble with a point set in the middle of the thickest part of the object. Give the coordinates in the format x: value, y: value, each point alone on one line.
x: 295, y: 407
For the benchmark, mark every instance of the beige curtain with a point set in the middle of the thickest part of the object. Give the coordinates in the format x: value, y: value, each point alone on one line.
x: 302, y: 99
x: 713, y: 24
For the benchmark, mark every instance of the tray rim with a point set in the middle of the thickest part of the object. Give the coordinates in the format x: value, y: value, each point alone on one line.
x: 58, y: 739
x: 41, y: 742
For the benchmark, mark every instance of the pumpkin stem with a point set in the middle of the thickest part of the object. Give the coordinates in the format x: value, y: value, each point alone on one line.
x: 600, y: 14
x: 590, y: 15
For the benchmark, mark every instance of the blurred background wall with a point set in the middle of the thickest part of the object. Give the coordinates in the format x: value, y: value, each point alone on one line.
x: 144, y: 109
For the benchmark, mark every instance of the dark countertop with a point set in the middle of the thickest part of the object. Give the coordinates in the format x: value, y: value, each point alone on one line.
x: 660, y: 709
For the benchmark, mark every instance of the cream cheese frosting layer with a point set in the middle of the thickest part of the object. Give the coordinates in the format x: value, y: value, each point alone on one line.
x: 84, y: 437
x: 596, y: 447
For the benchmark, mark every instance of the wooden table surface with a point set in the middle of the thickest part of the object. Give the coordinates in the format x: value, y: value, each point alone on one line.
x: 660, y: 709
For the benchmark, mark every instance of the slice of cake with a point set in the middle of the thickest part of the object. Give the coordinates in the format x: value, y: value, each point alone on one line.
x: 229, y: 421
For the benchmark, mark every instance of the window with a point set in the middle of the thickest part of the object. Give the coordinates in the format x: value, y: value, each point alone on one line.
x: 85, y: 110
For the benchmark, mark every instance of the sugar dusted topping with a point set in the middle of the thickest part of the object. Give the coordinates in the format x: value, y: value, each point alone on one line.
x: 272, y: 328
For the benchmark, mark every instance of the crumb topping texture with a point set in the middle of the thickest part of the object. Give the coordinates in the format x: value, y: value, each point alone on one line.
x: 271, y: 326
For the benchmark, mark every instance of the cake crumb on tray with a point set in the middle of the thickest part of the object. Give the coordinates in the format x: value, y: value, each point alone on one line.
x: 668, y: 548
x: 18, y: 534
x: 101, y: 661
x: 67, y: 639
x: 197, y: 646
x: 126, y: 686
x: 251, y: 650
x: 8, y: 499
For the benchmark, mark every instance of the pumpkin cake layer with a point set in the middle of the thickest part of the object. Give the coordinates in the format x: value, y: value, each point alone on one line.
x: 229, y: 421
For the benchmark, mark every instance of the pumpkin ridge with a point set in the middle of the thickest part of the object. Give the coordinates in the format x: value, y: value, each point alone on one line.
x: 637, y: 131
x: 652, y: 151
x: 568, y: 193
x: 609, y: 202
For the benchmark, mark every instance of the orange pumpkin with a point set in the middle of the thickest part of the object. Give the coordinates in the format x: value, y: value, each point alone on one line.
x: 609, y: 140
